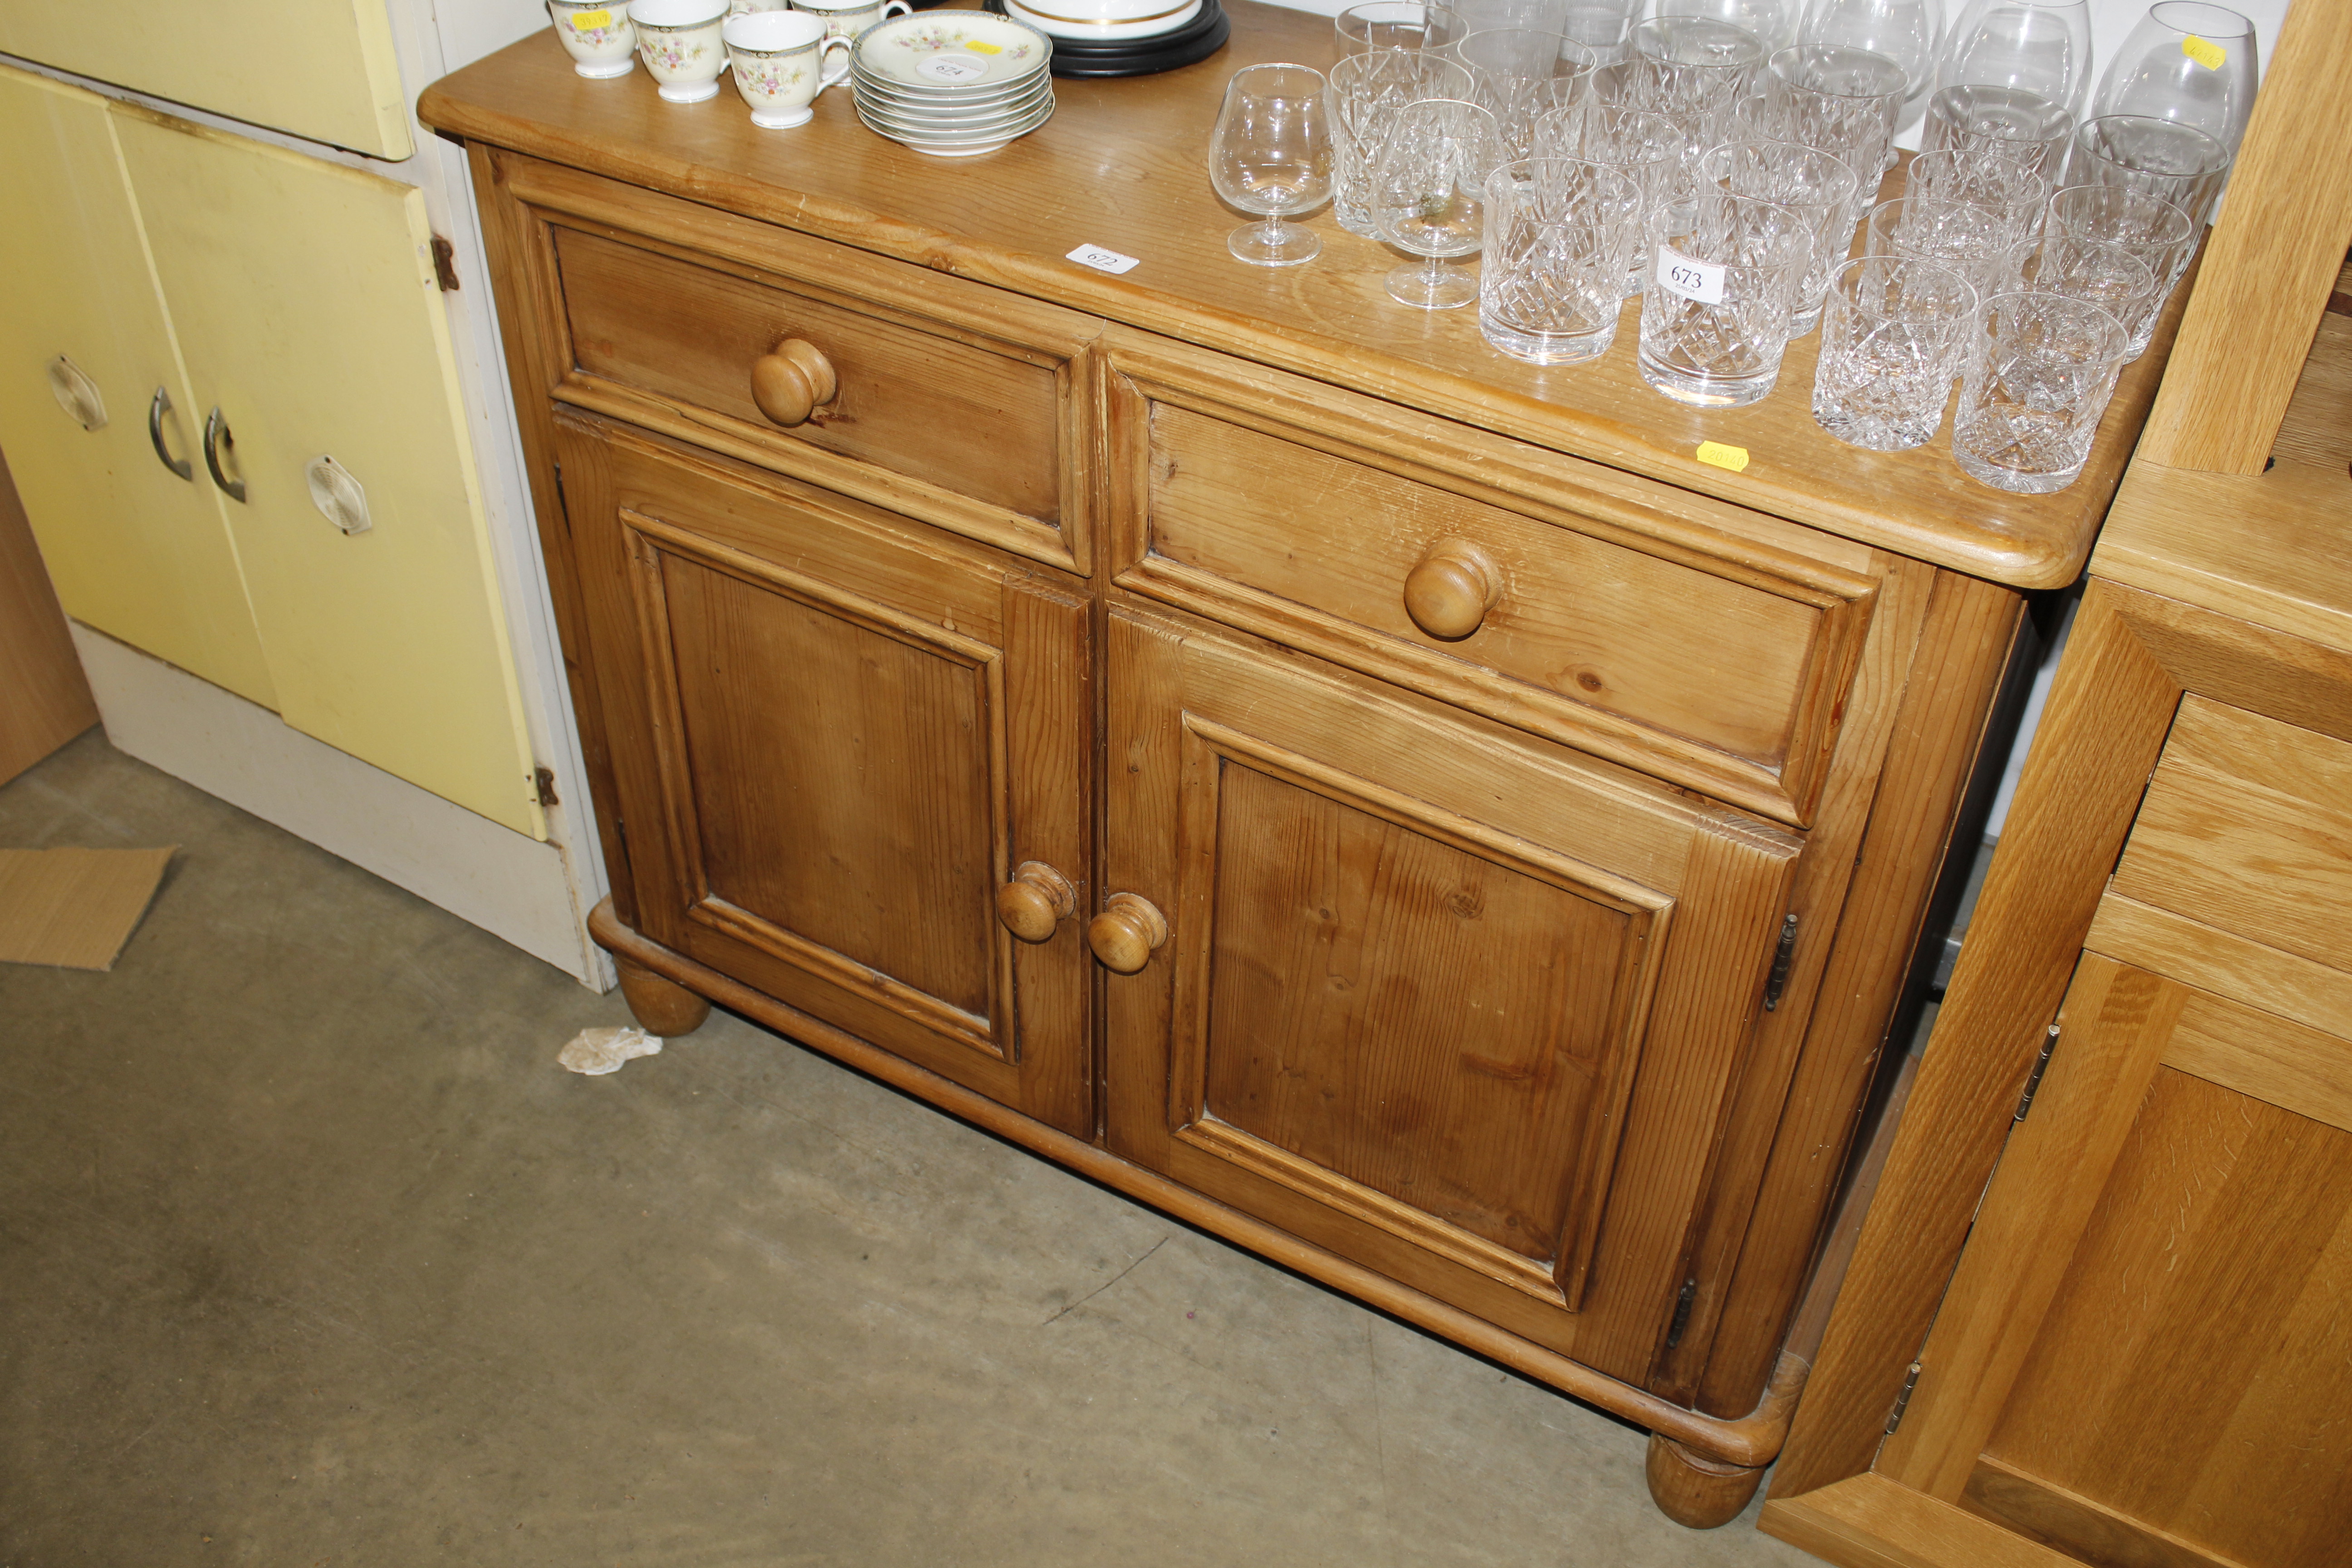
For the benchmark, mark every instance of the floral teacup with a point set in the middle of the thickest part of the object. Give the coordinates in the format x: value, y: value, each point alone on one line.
x: 847, y: 19
x: 596, y: 34
x: 780, y: 64
x: 680, y: 40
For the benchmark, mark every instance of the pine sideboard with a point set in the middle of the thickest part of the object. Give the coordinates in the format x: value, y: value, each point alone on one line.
x: 1393, y: 806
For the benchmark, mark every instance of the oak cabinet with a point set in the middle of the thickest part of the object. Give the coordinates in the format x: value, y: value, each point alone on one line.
x: 1394, y: 809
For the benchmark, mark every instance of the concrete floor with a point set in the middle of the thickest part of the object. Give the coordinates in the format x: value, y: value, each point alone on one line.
x: 310, y: 1254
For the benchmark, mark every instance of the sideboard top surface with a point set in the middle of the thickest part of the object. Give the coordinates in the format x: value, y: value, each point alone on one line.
x: 1122, y: 165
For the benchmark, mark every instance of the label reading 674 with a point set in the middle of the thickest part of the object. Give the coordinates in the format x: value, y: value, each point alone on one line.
x: 1699, y: 280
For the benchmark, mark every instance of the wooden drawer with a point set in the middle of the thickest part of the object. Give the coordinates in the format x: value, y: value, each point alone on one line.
x: 952, y: 402
x: 1348, y: 527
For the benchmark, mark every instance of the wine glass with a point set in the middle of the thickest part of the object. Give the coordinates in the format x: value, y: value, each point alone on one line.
x: 2186, y: 61
x: 1774, y: 22
x: 2038, y: 47
x: 1429, y: 196
x: 1904, y: 31
x: 1271, y: 154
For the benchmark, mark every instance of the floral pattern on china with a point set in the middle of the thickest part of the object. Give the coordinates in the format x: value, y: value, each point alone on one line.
x: 974, y: 51
x: 596, y: 37
x: 772, y: 80
x: 674, y: 57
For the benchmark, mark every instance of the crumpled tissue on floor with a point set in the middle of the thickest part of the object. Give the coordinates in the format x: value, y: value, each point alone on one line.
x: 604, y: 1050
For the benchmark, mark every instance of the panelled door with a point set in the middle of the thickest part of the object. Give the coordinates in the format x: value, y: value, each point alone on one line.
x: 96, y: 415
x: 305, y: 301
x: 324, y: 70
x: 1445, y: 999
x: 852, y: 758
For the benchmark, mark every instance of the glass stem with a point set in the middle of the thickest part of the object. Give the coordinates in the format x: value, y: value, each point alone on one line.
x: 1272, y: 239
x: 1433, y: 274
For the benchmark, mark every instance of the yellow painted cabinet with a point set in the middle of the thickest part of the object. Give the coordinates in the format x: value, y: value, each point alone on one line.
x: 320, y: 68
x: 135, y: 549
x: 304, y: 297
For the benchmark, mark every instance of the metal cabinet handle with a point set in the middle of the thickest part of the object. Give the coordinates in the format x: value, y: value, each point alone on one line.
x: 215, y: 432
x: 155, y: 412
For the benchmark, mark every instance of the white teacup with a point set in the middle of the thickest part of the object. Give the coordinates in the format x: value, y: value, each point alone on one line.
x: 780, y: 64
x: 680, y: 42
x: 847, y: 19
x: 597, y: 34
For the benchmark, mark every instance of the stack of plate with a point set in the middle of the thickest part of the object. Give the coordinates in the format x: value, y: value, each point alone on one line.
x: 954, y: 84
x: 1123, y: 38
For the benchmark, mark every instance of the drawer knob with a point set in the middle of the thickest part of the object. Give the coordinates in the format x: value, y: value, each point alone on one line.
x: 1127, y: 933
x: 793, y: 381
x: 1449, y: 593
x: 1034, y: 905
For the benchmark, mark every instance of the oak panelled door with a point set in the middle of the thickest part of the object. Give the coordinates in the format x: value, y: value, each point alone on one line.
x: 836, y: 742
x: 1417, y: 987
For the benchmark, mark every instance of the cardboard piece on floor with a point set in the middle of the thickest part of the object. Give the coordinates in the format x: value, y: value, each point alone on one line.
x: 74, y: 908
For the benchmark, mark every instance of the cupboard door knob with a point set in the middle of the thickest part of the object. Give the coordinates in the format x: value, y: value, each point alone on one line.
x: 216, y: 435
x: 1034, y: 905
x: 1127, y: 933
x: 1449, y: 593
x: 793, y: 381
x: 156, y: 409
x: 77, y: 394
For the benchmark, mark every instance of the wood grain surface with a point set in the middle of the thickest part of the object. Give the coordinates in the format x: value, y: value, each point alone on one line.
x: 49, y: 702
x: 1121, y: 164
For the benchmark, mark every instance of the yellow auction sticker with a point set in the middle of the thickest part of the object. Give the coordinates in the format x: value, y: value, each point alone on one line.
x: 978, y: 48
x: 2210, y: 54
x: 583, y: 20
x: 1722, y: 456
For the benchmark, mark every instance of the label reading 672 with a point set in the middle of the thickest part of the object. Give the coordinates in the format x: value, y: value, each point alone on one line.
x: 1699, y: 280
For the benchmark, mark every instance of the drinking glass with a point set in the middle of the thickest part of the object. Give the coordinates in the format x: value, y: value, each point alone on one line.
x: 1999, y: 121
x: 1600, y: 26
x: 1843, y: 101
x: 2108, y: 276
x: 2041, y: 46
x: 2009, y: 188
x: 2186, y: 61
x: 2038, y: 380
x: 1366, y: 91
x: 1692, y: 70
x: 1714, y: 314
x: 2150, y: 228
x: 2162, y: 157
x: 1517, y: 73
x: 1809, y: 182
x: 1971, y: 238
x: 1429, y: 196
x: 1774, y: 22
x: 1559, y: 235
x: 1271, y: 154
x: 1396, y: 24
x: 1904, y: 31
x: 1895, y: 332
x: 1643, y: 147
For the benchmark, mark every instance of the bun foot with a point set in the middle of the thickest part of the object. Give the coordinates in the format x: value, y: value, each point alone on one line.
x: 661, y: 1007
x: 1699, y: 1492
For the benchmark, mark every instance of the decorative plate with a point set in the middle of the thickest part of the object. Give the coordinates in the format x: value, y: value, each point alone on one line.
x: 951, y: 50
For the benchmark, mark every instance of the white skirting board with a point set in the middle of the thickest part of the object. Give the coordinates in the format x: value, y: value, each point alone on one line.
x: 511, y: 886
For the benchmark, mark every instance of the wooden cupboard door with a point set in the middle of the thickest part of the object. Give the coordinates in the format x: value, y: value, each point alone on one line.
x: 306, y: 302
x: 834, y: 740
x: 135, y: 549
x: 1451, y: 1002
x: 2145, y: 1357
x: 324, y: 71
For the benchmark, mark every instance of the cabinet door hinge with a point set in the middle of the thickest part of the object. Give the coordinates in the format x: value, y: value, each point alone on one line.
x: 445, y: 264
x: 543, y: 779
x: 1903, y: 1400
x: 1682, y: 1313
x: 2040, y: 1066
x: 1781, y: 957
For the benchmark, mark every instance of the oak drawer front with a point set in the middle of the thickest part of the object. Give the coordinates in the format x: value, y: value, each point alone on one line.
x: 1716, y: 673
x: 947, y: 400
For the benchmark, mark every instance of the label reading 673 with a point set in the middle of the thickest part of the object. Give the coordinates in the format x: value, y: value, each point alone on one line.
x: 1699, y: 280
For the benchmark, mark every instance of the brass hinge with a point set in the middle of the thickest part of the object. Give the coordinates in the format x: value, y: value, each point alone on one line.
x: 1682, y: 1313
x: 1903, y: 1400
x: 543, y: 780
x: 445, y: 264
x: 1781, y: 957
x: 2040, y: 1066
